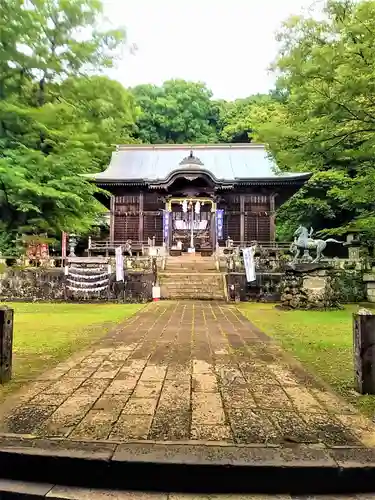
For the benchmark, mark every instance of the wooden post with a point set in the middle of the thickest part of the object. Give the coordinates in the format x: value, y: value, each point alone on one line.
x: 364, y: 351
x: 140, y: 224
x: 213, y: 232
x: 242, y: 219
x: 112, y: 219
x: 272, y: 218
x: 6, y: 344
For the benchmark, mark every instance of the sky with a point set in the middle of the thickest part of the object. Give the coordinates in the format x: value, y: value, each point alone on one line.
x: 228, y: 44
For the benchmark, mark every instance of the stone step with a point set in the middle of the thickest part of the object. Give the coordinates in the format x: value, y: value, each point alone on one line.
x: 188, y: 278
x: 192, y: 296
x: 192, y: 292
x: 189, y: 263
x: 192, y: 289
x: 181, y: 291
x: 190, y: 268
x: 32, y: 470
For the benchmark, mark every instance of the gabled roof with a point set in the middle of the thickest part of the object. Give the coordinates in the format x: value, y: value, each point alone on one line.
x: 224, y: 163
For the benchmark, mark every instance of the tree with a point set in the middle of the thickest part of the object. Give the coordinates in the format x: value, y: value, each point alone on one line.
x: 327, y: 122
x: 177, y: 112
x: 240, y: 118
x: 55, y: 122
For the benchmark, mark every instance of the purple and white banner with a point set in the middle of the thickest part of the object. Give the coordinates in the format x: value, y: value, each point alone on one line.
x: 166, y: 225
x: 220, y: 224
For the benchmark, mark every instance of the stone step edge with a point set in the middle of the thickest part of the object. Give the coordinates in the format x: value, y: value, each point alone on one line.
x: 173, y: 273
x: 196, y: 295
x: 189, y: 467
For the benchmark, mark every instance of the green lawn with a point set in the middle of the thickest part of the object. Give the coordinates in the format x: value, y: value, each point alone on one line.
x: 45, y: 334
x: 321, y: 340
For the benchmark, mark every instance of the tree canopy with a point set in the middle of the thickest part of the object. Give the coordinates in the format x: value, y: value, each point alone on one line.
x: 57, y: 120
x: 60, y: 117
x: 177, y: 112
x: 325, y: 122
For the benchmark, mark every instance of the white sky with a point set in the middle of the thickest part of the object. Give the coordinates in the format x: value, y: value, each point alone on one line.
x: 228, y: 44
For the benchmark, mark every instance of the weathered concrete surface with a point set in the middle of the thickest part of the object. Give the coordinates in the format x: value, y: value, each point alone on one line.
x: 64, y: 492
x: 185, y: 371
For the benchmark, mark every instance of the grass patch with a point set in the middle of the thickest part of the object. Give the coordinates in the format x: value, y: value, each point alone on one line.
x: 321, y: 340
x: 45, y: 334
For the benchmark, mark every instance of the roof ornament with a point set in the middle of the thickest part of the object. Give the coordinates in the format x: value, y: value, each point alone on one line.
x: 191, y: 161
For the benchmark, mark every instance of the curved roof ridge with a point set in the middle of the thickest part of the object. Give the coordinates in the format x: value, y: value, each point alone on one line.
x: 219, y: 145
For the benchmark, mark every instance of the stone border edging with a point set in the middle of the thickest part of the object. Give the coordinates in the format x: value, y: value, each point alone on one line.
x: 194, y: 468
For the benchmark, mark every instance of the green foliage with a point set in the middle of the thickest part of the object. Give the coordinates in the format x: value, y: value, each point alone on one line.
x: 177, y: 112
x: 349, y: 286
x: 56, y: 121
x: 241, y: 119
x: 326, y: 121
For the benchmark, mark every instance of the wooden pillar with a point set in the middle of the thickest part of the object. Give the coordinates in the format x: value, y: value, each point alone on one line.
x: 364, y: 352
x: 6, y: 344
x: 170, y: 228
x: 242, y: 219
x: 140, y: 224
x: 272, y: 218
x: 112, y: 218
x: 213, y: 231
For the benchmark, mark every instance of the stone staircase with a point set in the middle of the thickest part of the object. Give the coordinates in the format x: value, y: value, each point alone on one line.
x: 191, y: 276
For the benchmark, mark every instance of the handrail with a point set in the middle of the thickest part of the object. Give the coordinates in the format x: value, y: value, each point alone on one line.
x: 265, y: 244
x: 114, y: 243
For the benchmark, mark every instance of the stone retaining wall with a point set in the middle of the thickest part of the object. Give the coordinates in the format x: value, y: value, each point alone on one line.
x: 40, y: 284
x: 266, y: 288
x: 321, y: 288
x: 348, y: 287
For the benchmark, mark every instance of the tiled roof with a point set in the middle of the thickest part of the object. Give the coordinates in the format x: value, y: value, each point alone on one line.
x: 225, y: 162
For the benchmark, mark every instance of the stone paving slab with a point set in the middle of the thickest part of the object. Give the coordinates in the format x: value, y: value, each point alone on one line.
x: 190, y: 372
x: 71, y: 493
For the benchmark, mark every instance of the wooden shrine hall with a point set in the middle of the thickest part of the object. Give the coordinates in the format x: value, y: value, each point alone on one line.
x: 194, y: 196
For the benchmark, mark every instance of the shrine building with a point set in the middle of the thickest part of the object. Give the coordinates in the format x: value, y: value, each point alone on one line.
x: 194, y: 196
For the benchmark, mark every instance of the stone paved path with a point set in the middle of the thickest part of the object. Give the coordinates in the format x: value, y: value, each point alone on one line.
x: 71, y: 493
x: 185, y: 371
x: 82, y: 494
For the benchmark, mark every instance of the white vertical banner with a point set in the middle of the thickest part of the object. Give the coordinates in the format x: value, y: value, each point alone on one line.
x: 248, y: 259
x: 119, y: 264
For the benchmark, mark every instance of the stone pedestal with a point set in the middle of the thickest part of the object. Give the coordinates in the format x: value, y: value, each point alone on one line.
x: 309, y: 286
x: 6, y: 344
x: 369, y: 280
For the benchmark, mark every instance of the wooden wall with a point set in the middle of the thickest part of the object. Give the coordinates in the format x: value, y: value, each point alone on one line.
x: 153, y: 217
x: 126, y: 222
x: 138, y: 216
x: 247, y: 217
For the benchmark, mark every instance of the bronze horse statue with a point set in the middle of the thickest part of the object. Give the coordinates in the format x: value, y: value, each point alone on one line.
x: 303, y: 241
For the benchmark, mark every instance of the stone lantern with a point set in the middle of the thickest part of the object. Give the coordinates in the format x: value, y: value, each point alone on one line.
x: 353, y: 244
